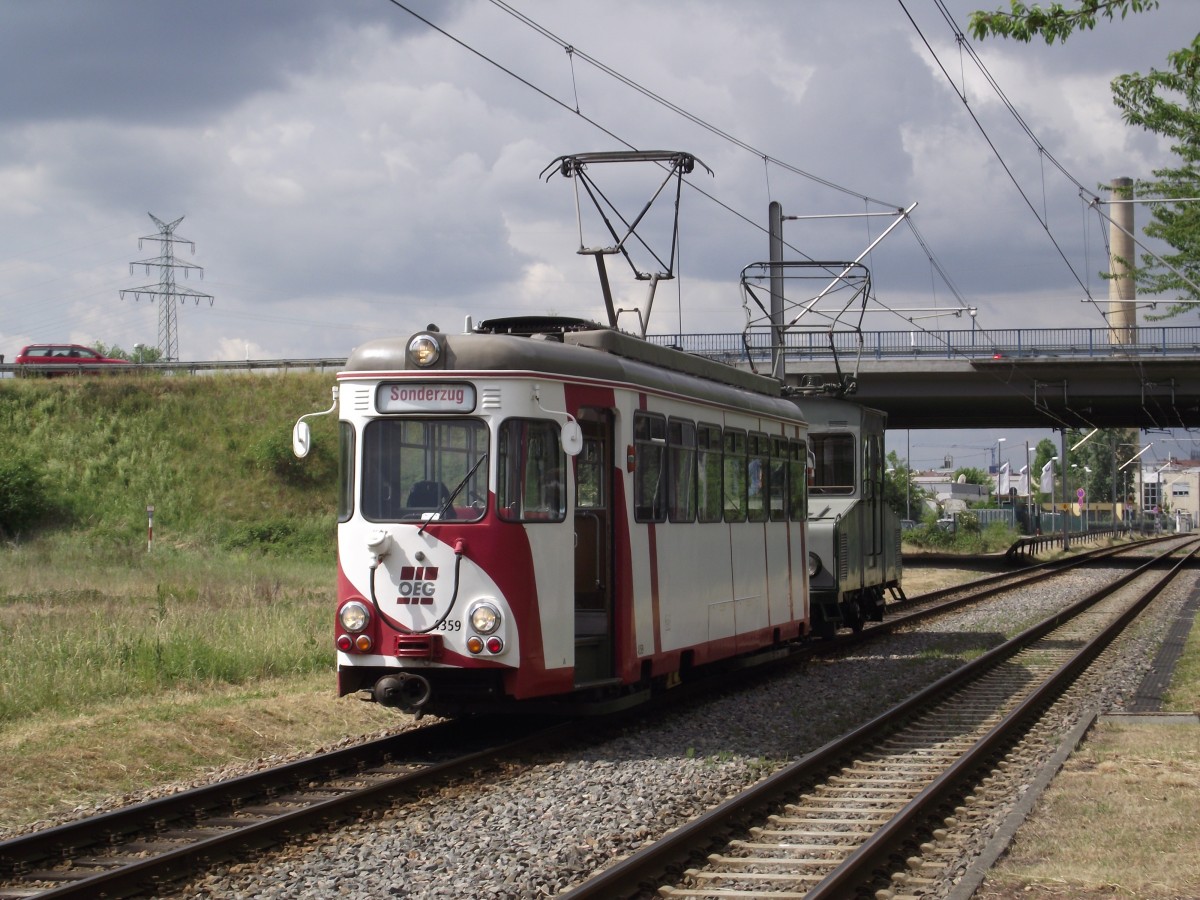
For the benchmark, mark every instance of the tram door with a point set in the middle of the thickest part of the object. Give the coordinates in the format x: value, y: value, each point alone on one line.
x: 593, y: 551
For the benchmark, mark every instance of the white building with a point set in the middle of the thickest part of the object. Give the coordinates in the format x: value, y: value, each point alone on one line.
x: 1172, y: 490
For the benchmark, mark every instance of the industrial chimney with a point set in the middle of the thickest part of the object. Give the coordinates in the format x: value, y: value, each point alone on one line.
x: 1122, y: 292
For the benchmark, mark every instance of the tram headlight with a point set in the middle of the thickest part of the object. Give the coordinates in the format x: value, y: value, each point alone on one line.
x: 424, y: 350
x: 485, y: 618
x: 814, y: 565
x: 354, y: 616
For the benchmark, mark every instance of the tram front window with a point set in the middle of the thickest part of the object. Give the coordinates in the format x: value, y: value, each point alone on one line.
x: 411, y: 468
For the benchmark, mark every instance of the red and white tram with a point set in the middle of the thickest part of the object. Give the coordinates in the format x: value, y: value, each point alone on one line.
x: 547, y: 508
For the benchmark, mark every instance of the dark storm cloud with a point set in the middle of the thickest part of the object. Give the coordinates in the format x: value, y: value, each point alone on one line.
x: 164, y: 61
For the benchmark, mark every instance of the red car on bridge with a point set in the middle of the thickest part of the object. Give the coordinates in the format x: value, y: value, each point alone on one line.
x: 47, y: 357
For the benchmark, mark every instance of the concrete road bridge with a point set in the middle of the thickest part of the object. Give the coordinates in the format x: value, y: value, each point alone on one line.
x: 976, y: 378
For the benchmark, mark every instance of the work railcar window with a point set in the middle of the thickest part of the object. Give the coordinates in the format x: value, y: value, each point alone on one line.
x: 758, y: 476
x: 649, y: 485
x: 797, y: 481
x: 530, y: 471
x: 833, y: 472
x: 681, y: 444
x: 345, y: 497
x: 873, y: 467
x: 412, y: 468
x: 734, y: 471
x: 708, y: 472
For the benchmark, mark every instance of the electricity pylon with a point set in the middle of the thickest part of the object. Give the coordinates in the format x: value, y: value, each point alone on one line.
x: 166, y: 289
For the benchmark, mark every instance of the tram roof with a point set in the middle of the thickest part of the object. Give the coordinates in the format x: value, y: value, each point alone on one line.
x: 615, y: 356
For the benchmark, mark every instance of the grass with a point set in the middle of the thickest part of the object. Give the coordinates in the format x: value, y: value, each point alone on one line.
x: 58, y: 763
x: 1118, y: 821
x: 1184, y: 693
x: 83, y: 629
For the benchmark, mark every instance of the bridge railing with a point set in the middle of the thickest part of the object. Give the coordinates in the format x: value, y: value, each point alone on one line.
x: 734, y: 347
x: 970, y: 343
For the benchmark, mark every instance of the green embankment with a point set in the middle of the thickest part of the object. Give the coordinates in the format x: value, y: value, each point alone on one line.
x: 211, y: 454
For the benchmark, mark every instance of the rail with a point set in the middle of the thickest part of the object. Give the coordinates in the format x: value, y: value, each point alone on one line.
x: 1027, y: 547
x: 970, y: 343
x: 178, y: 367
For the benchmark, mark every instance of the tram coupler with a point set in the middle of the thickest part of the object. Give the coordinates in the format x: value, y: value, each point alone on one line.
x: 404, y: 691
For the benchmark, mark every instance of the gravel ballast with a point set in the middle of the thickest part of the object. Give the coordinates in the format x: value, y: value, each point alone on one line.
x: 533, y: 831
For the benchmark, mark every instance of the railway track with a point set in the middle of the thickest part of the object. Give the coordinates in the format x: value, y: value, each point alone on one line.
x: 913, y: 609
x: 137, y: 848
x: 881, y: 811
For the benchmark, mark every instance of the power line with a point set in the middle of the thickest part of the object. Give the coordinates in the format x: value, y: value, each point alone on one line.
x: 987, y: 138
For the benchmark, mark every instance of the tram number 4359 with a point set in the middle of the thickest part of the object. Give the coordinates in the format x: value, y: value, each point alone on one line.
x: 450, y: 625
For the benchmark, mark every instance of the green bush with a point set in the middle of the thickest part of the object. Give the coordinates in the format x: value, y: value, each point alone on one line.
x: 929, y: 536
x: 307, y: 537
x: 23, y: 497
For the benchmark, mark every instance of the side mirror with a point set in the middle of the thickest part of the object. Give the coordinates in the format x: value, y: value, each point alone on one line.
x: 301, y: 439
x: 571, y: 438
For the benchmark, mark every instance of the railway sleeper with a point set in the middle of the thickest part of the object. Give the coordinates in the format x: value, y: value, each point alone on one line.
x: 779, y: 847
x: 718, y: 859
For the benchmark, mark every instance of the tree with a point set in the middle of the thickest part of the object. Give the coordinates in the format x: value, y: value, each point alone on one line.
x: 141, y: 353
x: 1054, y: 23
x: 1164, y: 102
x: 900, y: 492
x: 1168, y: 103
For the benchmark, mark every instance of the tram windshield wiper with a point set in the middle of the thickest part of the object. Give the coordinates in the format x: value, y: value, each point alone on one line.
x: 449, y: 501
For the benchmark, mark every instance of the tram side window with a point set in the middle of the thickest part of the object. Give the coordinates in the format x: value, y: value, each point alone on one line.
x: 798, y: 480
x: 649, y: 486
x: 681, y: 443
x: 708, y: 472
x: 777, y: 485
x: 345, y: 497
x: 530, y: 467
x: 411, y: 468
x: 758, y: 470
x: 734, y: 461
x: 833, y: 472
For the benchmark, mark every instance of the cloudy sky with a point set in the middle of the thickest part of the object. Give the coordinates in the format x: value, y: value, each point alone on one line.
x: 346, y: 170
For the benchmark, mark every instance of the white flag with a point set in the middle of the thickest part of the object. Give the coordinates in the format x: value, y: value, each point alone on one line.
x: 1002, y: 480
x: 1023, y: 482
x: 1047, y: 485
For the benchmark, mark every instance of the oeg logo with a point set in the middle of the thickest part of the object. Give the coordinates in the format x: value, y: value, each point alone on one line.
x: 417, y: 584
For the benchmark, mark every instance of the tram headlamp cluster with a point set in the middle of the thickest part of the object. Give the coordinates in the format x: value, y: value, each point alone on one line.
x: 485, y: 621
x: 814, y: 565
x: 485, y: 618
x: 354, y: 617
x: 424, y: 350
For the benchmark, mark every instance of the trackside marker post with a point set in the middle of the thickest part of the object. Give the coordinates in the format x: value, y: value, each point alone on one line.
x: 149, y: 528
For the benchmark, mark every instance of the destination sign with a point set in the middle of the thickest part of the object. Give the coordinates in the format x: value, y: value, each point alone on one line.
x: 425, y: 397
